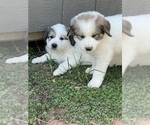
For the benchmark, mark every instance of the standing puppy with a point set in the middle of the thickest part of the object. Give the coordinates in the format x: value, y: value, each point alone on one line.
x: 91, y: 32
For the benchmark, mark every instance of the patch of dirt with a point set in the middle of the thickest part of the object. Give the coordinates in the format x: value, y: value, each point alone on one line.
x: 53, y: 122
x: 58, y: 122
x: 142, y: 122
x: 117, y: 122
x: 19, y: 122
x: 60, y: 111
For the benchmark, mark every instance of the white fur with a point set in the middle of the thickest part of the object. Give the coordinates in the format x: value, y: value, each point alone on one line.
x: 116, y: 31
x: 104, y: 49
x: 20, y: 59
x: 136, y: 50
x: 65, y: 54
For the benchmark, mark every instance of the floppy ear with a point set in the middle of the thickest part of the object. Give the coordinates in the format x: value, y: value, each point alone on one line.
x: 105, y: 27
x: 46, y: 32
x: 126, y: 28
x: 70, y: 35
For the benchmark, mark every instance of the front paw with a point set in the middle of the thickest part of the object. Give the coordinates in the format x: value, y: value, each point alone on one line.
x: 57, y: 72
x: 17, y: 60
x: 95, y: 83
x: 36, y: 60
x: 11, y: 60
x: 89, y: 70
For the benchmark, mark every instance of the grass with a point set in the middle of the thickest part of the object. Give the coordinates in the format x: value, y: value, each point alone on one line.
x: 68, y: 98
x: 13, y: 90
x: 135, y: 94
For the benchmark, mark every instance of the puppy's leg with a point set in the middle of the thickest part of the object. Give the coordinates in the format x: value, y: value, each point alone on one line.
x: 101, y: 66
x: 127, y: 59
x: 91, y: 69
x: 41, y: 59
x: 64, y: 66
x: 19, y: 59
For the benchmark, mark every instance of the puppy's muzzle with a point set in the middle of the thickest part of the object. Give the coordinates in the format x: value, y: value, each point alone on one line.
x: 54, y: 46
x: 88, y: 48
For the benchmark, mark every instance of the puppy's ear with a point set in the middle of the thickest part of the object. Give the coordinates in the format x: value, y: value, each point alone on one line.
x: 70, y: 35
x: 105, y: 27
x: 46, y: 32
x: 126, y: 28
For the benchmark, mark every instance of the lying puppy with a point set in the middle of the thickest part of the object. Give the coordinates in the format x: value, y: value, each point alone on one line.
x: 91, y: 32
x: 136, y: 50
x: 60, y: 50
x: 20, y: 59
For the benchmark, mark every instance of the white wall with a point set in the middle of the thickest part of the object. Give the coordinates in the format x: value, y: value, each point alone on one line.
x: 135, y: 7
x: 13, y: 15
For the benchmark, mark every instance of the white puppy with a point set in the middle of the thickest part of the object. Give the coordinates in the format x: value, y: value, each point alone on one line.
x: 60, y: 50
x: 136, y: 50
x: 91, y: 32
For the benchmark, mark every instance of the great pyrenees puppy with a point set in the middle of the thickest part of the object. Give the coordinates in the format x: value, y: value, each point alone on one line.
x: 136, y: 41
x: 100, y: 38
x: 59, y: 49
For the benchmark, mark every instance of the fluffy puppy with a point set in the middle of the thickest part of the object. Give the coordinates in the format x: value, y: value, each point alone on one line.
x: 60, y: 50
x: 136, y: 50
x: 91, y: 32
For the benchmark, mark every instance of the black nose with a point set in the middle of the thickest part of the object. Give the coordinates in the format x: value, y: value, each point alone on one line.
x: 54, y: 46
x: 89, y: 48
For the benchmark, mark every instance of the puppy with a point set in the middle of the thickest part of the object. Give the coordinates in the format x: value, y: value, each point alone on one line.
x: 136, y: 50
x: 59, y: 49
x: 91, y: 32
x: 20, y: 59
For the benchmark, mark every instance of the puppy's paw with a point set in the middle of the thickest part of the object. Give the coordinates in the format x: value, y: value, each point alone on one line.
x: 89, y: 70
x: 21, y: 59
x: 11, y: 60
x: 36, y: 60
x: 57, y: 72
x: 94, y: 83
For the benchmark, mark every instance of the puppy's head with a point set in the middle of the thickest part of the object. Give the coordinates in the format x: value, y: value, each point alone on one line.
x: 56, y: 37
x: 87, y: 30
x: 126, y: 27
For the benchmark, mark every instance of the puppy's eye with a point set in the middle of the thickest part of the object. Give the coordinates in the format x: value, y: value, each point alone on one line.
x: 61, y: 38
x: 51, y: 37
x: 95, y: 35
